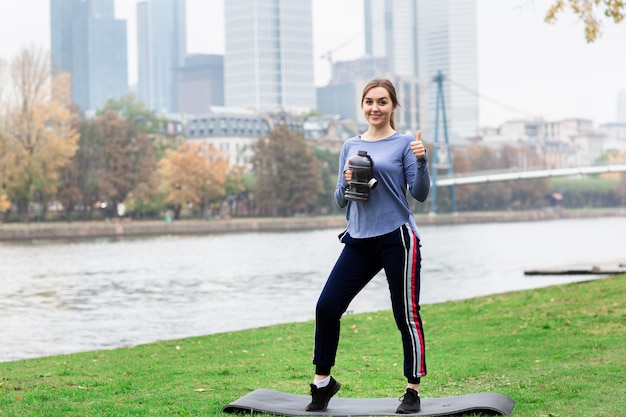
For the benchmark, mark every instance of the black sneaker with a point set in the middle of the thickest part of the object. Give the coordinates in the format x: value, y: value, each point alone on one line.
x: 410, y: 402
x: 321, y: 396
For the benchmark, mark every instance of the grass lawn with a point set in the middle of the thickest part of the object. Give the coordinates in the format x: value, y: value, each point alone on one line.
x: 558, y: 351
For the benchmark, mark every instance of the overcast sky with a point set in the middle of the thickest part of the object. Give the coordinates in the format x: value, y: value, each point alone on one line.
x: 525, y: 66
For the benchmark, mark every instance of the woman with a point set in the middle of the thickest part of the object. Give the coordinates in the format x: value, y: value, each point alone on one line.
x: 381, y: 234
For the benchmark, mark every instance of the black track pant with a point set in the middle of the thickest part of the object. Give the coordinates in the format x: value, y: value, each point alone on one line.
x: 398, y: 254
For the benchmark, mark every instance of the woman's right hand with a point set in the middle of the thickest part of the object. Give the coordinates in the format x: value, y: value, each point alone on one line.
x: 347, y: 174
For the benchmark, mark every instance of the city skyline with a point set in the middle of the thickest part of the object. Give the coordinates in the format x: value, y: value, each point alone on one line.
x: 527, y: 68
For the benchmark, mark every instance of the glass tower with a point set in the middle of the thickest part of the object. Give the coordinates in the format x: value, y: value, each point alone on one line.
x: 420, y: 38
x: 89, y: 43
x: 447, y: 43
x: 161, y: 49
x: 268, y: 61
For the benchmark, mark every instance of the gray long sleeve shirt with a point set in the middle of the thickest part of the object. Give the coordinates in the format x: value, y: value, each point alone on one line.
x: 395, y: 168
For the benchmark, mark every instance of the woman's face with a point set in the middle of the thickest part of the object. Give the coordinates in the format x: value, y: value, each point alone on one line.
x: 377, y: 107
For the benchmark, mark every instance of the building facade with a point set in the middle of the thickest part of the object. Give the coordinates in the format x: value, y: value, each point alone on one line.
x: 233, y: 132
x: 391, y: 32
x: 268, y: 61
x: 201, y: 83
x: 89, y: 43
x: 161, y: 51
x: 447, y: 43
x: 419, y: 38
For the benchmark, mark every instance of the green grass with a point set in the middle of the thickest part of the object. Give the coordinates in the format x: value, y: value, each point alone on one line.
x: 557, y: 351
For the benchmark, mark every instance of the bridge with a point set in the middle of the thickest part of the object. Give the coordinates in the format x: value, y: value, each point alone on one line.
x: 492, y: 176
x: 442, y: 160
x: 510, y: 175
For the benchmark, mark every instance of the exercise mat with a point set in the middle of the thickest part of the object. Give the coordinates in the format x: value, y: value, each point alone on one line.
x: 285, y: 404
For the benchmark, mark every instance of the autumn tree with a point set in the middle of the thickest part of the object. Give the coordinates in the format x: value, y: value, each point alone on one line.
x: 238, y: 189
x: 146, y: 121
x: 328, y: 163
x: 488, y: 196
x: 527, y: 193
x: 287, y: 176
x: 499, y: 195
x: 589, y: 12
x: 5, y: 203
x: 193, y: 176
x: 39, y: 136
x: 80, y: 181
x: 127, y: 158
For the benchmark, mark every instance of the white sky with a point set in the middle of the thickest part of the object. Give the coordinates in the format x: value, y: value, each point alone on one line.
x: 525, y: 66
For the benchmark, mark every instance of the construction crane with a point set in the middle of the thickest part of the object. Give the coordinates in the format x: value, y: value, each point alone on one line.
x: 328, y: 55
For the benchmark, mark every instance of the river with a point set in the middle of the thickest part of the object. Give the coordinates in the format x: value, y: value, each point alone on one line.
x: 60, y: 297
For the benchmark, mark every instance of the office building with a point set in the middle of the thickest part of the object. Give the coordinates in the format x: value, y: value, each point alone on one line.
x: 420, y: 38
x: 161, y: 50
x: 268, y: 61
x: 89, y: 43
x: 391, y: 32
x: 367, y: 67
x: 201, y: 83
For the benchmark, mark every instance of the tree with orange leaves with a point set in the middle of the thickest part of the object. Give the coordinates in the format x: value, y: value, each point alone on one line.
x: 39, y: 137
x: 193, y: 177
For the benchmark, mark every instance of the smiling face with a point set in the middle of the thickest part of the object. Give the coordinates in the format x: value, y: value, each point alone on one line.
x: 377, y: 107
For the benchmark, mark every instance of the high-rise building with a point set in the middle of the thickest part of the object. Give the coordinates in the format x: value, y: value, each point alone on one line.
x: 89, y: 43
x: 268, y: 61
x: 419, y: 38
x: 391, y: 31
x: 161, y: 49
x: 201, y: 83
x: 447, y: 43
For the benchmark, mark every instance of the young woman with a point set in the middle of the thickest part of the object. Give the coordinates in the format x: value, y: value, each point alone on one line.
x: 381, y: 234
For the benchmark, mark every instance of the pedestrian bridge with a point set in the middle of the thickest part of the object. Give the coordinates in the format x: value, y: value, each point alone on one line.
x: 493, y: 176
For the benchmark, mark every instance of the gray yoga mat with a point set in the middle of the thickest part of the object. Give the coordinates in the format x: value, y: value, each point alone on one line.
x: 284, y: 404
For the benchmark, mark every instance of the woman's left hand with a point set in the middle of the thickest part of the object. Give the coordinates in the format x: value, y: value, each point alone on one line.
x: 418, y: 147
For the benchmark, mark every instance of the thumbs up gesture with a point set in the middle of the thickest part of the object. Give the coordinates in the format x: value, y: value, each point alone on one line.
x: 417, y: 147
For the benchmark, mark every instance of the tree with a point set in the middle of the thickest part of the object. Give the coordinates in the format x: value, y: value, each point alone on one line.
x: 146, y: 121
x: 528, y: 193
x: 328, y: 163
x: 39, y: 136
x: 127, y: 158
x: 191, y: 176
x: 238, y: 188
x: 587, y: 11
x: 5, y: 203
x: 287, y: 176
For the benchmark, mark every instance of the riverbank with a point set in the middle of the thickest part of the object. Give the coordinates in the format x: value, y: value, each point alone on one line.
x: 525, y: 344
x: 130, y: 228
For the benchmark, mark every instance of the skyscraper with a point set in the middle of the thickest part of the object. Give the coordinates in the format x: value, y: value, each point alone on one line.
x: 391, y: 31
x: 201, y: 83
x: 89, y: 43
x: 268, y: 61
x: 420, y: 38
x: 161, y: 49
x: 447, y: 43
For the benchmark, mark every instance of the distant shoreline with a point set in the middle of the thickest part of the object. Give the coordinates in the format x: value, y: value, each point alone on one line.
x: 134, y: 228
